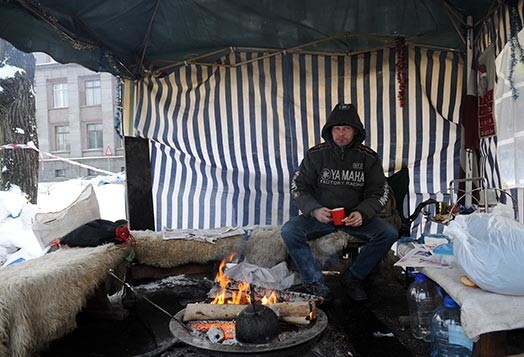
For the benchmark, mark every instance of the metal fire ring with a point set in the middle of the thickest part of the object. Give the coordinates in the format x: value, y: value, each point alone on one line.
x: 303, y: 339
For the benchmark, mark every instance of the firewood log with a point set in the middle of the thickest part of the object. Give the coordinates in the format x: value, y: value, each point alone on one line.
x: 299, y: 312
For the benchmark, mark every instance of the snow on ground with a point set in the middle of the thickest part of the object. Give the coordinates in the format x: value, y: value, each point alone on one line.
x: 110, y: 193
x: 17, y: 240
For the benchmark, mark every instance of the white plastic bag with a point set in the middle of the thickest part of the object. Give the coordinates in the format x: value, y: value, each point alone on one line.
x: 490, y: 249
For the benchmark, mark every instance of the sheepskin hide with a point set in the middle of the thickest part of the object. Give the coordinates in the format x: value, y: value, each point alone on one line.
x: 151, y: 249
x: 40, y: 298
x: 326, y: 247
x: 266, y: 247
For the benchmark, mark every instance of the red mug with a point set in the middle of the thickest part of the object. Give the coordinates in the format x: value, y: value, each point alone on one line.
x: 338, y: 215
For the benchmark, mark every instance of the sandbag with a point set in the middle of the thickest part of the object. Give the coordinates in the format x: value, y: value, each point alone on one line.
x: 49, y: 226
x: 489, y: 248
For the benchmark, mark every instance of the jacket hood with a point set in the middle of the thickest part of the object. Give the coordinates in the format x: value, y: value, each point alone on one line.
x: 344, y: 114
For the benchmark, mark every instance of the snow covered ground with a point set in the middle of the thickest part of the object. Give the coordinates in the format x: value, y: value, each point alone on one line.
x: 17, y: 240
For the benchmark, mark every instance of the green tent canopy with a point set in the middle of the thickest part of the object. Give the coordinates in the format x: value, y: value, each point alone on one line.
x: 133, y: 38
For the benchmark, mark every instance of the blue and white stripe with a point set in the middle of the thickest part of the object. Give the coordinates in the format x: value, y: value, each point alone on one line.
x: 225, y: 141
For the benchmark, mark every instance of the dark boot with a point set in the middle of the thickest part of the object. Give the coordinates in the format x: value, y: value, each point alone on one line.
x: 354, y: 286
x: 320, y: 288
x: 317, y: 288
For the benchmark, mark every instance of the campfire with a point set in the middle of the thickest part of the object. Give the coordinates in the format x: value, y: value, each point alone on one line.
x: 231, y: 300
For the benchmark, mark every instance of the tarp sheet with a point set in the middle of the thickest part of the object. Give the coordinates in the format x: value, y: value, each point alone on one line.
x: 131, y: 38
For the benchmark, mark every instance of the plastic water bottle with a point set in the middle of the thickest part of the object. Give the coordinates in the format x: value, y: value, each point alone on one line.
x: 447, y: 336
x: 422, y: 302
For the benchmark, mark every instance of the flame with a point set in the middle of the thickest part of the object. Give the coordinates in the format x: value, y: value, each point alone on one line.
x: 223, y: 280
x: 237, y: 297
x: 272, y: 299
x: 312, y: 316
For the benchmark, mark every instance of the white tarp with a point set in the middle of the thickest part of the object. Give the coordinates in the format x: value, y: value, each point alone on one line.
x: 508, y: 117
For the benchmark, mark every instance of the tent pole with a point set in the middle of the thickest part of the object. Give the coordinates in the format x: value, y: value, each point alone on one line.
x: 189, y: 61
x: 426, y: 45
x: 296, y: 49
x: 352, y: 53
x: 274, y: 52
x: 36, y: 10
x: 455, y: 25
x: 495, y: 5
x: 453, y: 11
x: 146, y: 36
x: 470, y: 88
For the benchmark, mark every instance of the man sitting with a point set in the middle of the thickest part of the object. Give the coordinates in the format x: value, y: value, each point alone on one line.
x: 341, y: 172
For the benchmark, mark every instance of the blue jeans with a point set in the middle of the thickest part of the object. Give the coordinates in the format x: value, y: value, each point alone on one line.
x: 379, y: 234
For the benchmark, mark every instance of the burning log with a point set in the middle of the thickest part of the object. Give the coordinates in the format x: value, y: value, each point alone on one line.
x: 298, y: 312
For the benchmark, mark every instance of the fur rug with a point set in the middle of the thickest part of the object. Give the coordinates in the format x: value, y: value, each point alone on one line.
x: 151, y: 249
x: 266, y: 248
x: 40, y: 298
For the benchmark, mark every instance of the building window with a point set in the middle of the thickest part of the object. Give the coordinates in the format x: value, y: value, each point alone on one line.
x: 62, y: 138
x: 60, y: 95
x: 93, y: 96
x: 94, y: 136
x: 60, y: 173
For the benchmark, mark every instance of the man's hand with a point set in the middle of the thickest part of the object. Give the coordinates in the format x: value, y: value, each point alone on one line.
x: 354, y: 219
x: 322, y: 214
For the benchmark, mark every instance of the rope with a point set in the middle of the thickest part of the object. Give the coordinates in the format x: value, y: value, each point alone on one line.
x: 31, y: 146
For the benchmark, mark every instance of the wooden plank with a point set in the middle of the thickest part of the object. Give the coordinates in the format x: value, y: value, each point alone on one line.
x: 491, y: 344
x: 138, y: 181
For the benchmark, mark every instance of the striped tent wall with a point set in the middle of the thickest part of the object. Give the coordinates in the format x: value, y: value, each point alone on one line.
x: 226, y: 141
x: 495, y: 31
